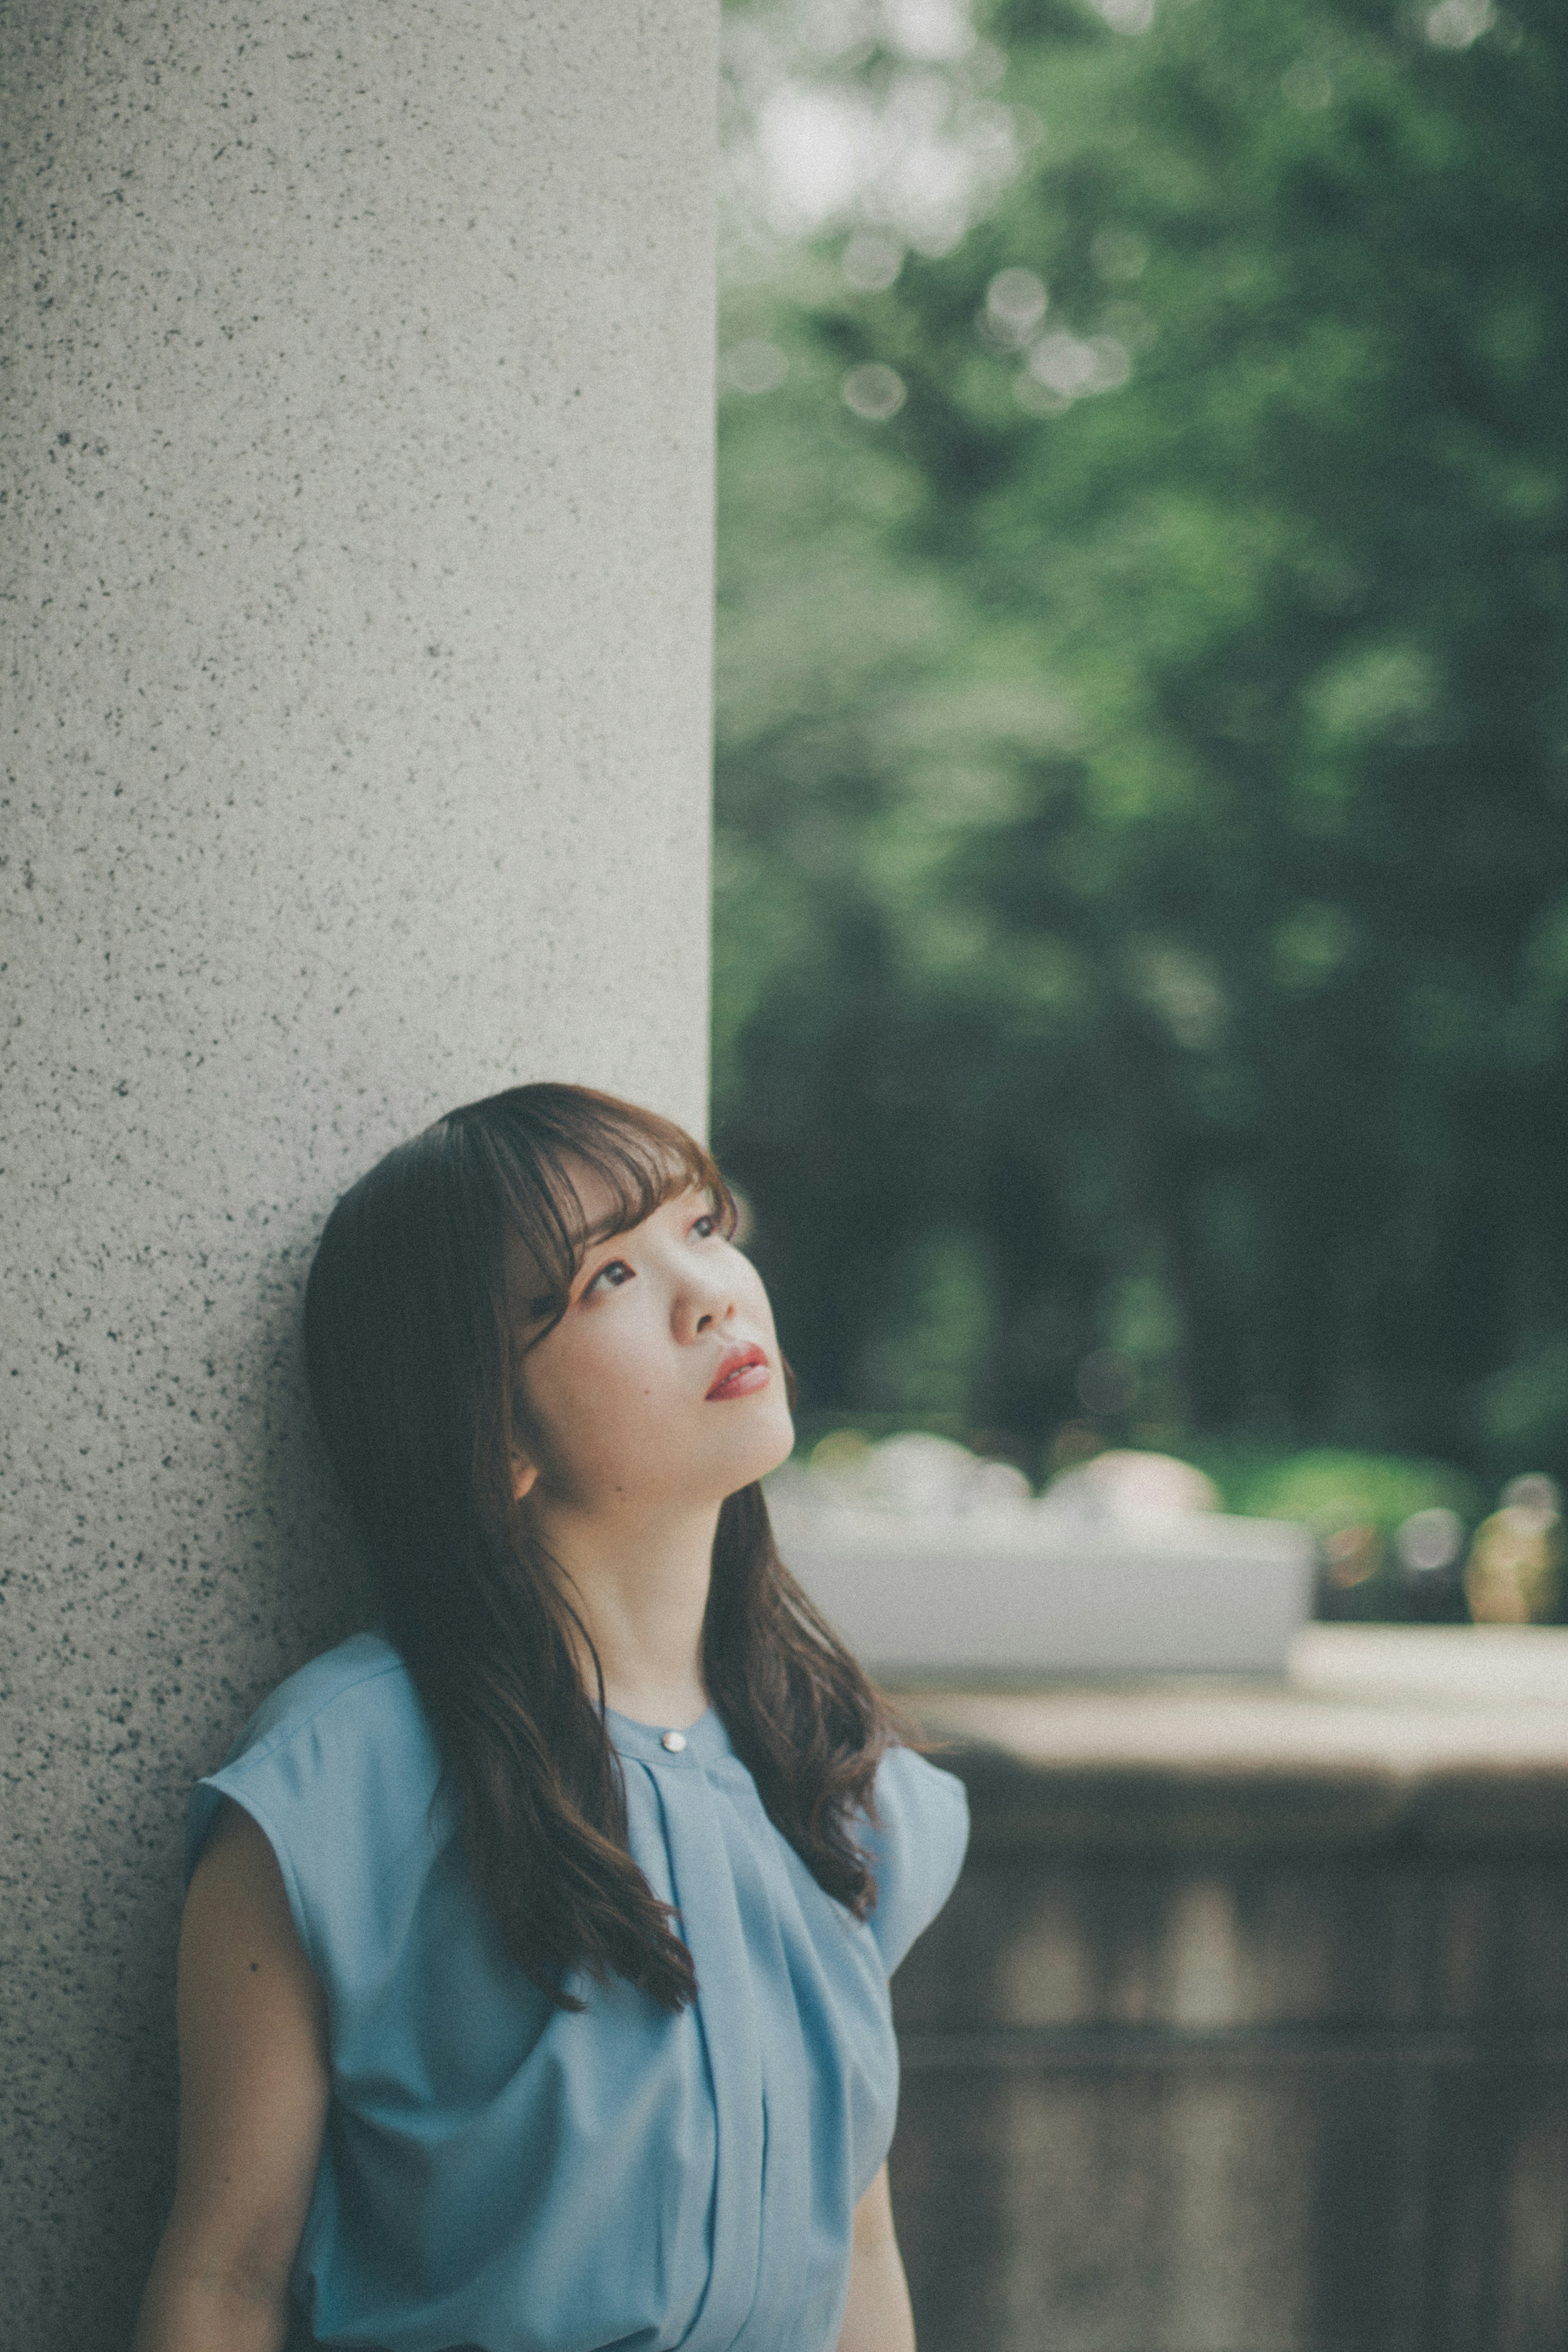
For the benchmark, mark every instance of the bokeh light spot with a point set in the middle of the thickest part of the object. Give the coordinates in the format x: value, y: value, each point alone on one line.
x: 1073, y: 365
x: 1455, y: 24
x: 871, y: 261
x: 1015, y: 304
x: 1119, y: 255
x: 874, y: 392
x: 1127, y: 15
x: 1430, y: 1541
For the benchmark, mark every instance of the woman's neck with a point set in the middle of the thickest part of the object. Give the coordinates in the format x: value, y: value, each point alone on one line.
x: 640, y: 1588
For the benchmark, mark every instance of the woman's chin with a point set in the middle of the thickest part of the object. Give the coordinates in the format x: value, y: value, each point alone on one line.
x: 783, y: 1441
x: 768, y: 1444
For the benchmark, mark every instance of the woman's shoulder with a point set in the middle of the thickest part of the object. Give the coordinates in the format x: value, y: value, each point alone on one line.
x: 916, y: 1844
x: 361, y: 1684
x: 340, y: 1751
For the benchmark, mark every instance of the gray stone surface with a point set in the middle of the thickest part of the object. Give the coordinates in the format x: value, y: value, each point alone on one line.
x: 1246, y: 2027
x: 356, y: 414
x: 1197, y: 2204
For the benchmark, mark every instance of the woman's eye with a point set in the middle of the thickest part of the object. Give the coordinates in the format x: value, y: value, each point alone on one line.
x: 705, y: 1227
x: 614, y: 1276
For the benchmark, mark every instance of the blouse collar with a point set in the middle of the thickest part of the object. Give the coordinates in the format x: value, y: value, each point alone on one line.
x: 680, y: 1747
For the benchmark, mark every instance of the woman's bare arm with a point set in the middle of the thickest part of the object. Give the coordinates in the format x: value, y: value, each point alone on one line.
x: 877, y: 2317
x: 252, y: 2106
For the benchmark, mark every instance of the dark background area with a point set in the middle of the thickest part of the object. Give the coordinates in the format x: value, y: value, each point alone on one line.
x: 1142, y: 933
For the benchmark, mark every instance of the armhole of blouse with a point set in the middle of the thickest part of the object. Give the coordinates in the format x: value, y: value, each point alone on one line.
x: 924, y: 1806
x: 215, y: 1788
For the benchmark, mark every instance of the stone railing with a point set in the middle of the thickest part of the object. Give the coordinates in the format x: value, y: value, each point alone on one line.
x: 1247, y: 2029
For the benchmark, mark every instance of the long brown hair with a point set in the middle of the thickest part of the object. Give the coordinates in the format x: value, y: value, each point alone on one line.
x: 413, y: 1351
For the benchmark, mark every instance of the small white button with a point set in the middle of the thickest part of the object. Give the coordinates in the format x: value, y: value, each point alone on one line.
x: 675, y: 1742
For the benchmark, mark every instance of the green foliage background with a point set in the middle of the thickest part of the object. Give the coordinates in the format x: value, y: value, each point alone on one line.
x: 1141, y: 909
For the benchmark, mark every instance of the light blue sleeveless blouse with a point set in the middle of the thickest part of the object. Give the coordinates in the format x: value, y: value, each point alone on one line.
x: 502, y: 2175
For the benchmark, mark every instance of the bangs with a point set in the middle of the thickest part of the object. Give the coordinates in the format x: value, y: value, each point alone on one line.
x: 540, y: 1141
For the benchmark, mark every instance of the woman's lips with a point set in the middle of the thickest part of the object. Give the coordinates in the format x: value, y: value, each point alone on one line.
x: 742, y: 1371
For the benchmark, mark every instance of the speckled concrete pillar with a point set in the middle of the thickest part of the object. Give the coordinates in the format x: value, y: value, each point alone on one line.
x: 357, y: 393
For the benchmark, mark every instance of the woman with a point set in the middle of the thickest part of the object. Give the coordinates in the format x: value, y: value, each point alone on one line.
x: 533, y: 1978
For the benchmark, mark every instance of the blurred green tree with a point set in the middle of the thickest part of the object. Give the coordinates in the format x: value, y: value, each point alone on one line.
x: 1143, y: 743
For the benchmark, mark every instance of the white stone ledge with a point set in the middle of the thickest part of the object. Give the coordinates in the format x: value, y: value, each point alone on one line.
x: 1439, y: 1736
x: 1037, y: 1590
x: 1390, y: 1698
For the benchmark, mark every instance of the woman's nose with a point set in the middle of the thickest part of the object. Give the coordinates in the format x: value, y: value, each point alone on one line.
x: 706, y: 1298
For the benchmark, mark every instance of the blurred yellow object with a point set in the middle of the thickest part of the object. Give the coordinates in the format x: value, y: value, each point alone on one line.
x: 1514, y: 1573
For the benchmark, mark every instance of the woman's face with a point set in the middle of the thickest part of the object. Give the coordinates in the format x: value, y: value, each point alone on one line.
x: 661, y: 1385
